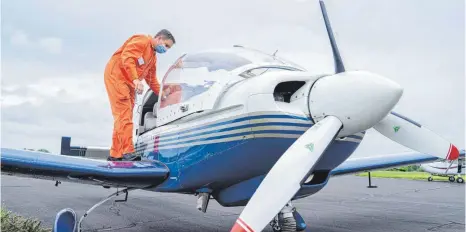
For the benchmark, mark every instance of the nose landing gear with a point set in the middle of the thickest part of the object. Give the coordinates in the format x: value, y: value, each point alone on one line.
x: 288, y: 220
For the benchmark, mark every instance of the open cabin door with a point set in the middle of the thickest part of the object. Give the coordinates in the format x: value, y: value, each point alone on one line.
x: 145, y: 113
x: 194, y: 83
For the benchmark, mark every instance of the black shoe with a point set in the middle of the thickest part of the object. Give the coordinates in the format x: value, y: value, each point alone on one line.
x: 131, y: 157
x: 113, y: 159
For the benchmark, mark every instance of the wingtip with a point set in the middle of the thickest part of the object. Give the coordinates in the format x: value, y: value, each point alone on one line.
x: 453, y: 153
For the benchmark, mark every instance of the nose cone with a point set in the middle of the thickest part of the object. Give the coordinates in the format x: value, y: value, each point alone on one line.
x: 359, y: 99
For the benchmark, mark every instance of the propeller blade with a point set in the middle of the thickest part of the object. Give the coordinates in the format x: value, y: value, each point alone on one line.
x: 413, y: 135
x: 339, y: 67
x: 287, y: 175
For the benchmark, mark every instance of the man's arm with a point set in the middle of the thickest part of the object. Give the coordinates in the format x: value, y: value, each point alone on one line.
x: 130, y: 54
x: 151, y: 80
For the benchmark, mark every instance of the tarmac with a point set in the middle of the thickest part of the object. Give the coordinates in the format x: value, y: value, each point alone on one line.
x: 345, y: 204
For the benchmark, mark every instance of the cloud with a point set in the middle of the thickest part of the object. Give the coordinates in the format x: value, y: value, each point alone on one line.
x: 50, y: 84
x: 19, y: 38
x: 12, y: 100
x: 44, y: 97
x: 51, y: 45
x: 50, y: 108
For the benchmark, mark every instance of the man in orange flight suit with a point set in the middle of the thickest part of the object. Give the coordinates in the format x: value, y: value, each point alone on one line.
x: 133, y: 61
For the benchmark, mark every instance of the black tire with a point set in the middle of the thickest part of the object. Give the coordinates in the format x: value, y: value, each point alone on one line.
x: 288, y: 225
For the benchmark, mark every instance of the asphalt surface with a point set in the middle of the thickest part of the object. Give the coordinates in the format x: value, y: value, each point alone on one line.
x: 346, y: 204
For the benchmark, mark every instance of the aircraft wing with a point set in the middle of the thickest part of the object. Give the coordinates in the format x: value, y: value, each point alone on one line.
x: 356, y: 165
x: 40, y: 165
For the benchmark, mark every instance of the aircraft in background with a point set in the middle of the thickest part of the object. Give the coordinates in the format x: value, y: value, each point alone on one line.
x: 247, y: 129
x: 444, y: 168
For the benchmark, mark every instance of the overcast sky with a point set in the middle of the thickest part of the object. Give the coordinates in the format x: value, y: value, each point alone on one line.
x: 54, y: 54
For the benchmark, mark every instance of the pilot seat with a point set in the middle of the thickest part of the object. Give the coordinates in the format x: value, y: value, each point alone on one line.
x: 149, y: 112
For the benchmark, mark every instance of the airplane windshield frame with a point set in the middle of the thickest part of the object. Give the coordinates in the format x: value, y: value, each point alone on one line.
x: 249, y: 73
x: 194, y: 76
x: 214, y: 61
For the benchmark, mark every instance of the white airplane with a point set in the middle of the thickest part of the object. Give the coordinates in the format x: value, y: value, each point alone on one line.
x: 443, y: 168
x: 248, y: 129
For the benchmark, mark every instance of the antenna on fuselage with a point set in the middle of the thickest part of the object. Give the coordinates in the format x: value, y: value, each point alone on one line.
x: 339, y: 67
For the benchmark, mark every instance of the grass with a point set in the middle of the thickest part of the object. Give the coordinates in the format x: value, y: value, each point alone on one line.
x: 403, y: 175
x: 11, y: 222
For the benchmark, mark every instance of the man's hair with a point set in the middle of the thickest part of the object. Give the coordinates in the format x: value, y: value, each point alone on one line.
x: 165, y: 34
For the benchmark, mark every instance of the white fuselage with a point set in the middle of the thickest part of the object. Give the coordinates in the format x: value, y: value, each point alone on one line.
x: 442, y: 168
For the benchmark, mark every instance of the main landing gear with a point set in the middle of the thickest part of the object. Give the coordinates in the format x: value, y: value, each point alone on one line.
x: 66, y: 219
x: 287, y: 220
x: 459, y: 179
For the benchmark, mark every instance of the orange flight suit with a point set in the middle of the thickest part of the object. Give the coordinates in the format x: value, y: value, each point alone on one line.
x: 135, y: 59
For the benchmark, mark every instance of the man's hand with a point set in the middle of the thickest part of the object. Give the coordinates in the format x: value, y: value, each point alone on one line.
x: 139, y: 87
x: 179, y: 64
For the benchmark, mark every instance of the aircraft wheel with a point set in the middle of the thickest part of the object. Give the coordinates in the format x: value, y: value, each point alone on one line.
x: 66, y: 221
x: 451, y: 179
x: 430, y: 178
x: 459, y: 180
x: 288, y: 225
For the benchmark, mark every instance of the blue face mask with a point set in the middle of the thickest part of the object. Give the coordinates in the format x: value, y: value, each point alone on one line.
x: 160, y: 49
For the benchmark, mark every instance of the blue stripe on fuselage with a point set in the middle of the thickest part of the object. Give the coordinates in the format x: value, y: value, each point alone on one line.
x: 194, y: 163
x: 161, y: 139
x: 184, y: 131
x: 234, y: 135
x: 223, y: 164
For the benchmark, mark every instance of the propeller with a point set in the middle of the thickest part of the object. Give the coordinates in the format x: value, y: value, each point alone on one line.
x: 293, y: 166
x: 413, y: 135
x: 367, y: 103
x: 339, y: 67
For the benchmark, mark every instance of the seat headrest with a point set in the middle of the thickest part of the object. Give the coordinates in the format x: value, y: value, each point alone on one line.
x: 154, y: 110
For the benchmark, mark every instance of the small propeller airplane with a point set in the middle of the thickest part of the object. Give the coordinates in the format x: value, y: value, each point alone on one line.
x: 247, y: 129
x: 452, y: 169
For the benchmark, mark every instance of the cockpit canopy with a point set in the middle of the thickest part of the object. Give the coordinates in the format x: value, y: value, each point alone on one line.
x: 231, y: 59
x: 214, y: 61
x: 194, y: 82
x: 193, y: 74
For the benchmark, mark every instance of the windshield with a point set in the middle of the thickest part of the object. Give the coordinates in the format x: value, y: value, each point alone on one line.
x: 257, y: 56
x: 214, y: 61
x: 194, y: 74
